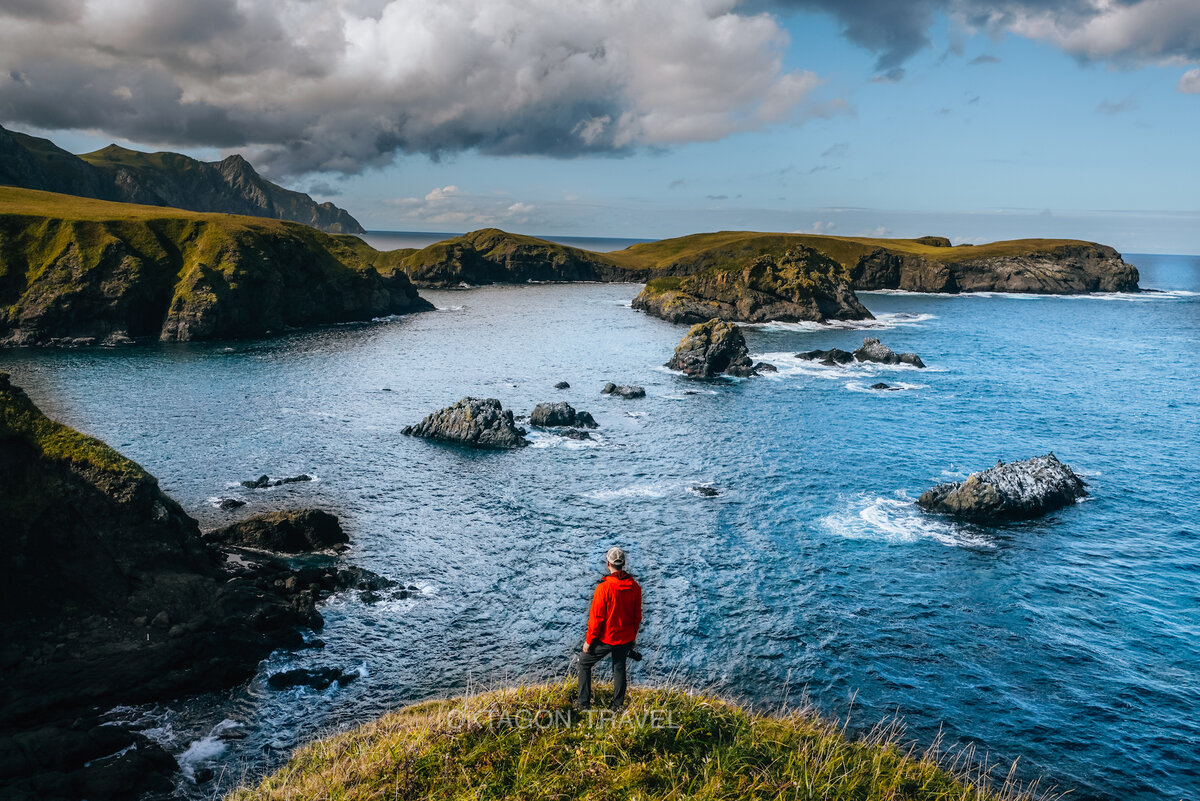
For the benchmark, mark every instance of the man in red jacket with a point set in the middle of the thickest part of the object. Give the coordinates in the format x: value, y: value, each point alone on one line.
x: 612, y: 628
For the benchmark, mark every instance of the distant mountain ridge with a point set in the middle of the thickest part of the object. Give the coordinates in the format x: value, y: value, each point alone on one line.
x: 230, y: 186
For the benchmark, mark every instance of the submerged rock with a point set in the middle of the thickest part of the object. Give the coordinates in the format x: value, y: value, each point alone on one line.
x: 258, y: 483
x: 883, y: 386
x: 1015, y: 491
x: 873, y: 350
x: 230, y: 503
x: 829, y: 358
x: 562, y: 385
x: 627, y: 392
x: 300, y: 531
x: 706, y: 490
x: 317, y: 678
x: 553, y: 415
x: 712, y: 348
x: 575, y: 433
x: 478, y: 422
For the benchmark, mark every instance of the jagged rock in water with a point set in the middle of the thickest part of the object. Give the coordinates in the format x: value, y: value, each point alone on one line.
x: 299, y: 531
x: 886, y: 387
x: 562, y: 385
x: 763, y: 367
x: 1015, y: 491
x: 553, y: 415
x: 230, y: 503
x: 706, y: 490
x: 712, y: 348
x: 478, y: 422
x: 627, y: 392
x: 575, y: 433
x: 829, y: 358
x: 873, y: 350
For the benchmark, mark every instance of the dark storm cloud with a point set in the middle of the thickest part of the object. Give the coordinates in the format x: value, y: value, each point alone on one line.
x: 1123, y: 31
x: 319, y: 85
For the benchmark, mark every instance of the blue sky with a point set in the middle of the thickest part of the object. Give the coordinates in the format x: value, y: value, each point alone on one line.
x: 992, y: 132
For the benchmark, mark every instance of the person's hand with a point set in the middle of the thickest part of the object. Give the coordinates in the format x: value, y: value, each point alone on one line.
x: 587, y: 648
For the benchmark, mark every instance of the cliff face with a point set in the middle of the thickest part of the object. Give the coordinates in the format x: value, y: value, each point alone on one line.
x: 115, y: 173
x: 1059, y: 269
x: 492, y: 256
x: 77, y: 271
x: 110, y: 593
x: 799, y: 285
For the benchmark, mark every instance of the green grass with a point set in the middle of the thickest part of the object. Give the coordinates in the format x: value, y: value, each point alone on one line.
x: 21, y: 419
x: 491, y: 746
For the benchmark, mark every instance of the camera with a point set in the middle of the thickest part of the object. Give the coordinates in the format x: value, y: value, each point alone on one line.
x: 636, y: 656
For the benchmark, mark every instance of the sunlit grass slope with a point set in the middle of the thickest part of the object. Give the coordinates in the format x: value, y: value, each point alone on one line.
x: 492, y: 746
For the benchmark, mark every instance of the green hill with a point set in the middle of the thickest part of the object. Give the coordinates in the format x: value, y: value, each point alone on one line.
x: 669, y: 745
x: 115, y: 173
x: 75, y: 270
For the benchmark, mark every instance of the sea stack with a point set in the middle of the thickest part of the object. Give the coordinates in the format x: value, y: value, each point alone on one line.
x: 712, y: 348
x: 477, y: 422
x: 1014, y: 491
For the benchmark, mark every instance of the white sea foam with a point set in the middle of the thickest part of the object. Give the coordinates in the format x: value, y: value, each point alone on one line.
x: 207, y: 748
x: 898, y: 521
x: 450, y: 308
x: 550, y: 439
x: 1146, y: 295
x: 882, y: 321
x: 653, y: 490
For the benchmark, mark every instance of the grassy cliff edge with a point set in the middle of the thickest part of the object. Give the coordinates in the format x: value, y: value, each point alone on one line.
x: 668, y: 744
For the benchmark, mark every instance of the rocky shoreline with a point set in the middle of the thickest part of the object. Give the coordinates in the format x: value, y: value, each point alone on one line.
x: 115, y: 597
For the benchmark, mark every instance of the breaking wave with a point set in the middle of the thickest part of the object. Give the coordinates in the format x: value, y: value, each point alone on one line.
x: 898, y: 521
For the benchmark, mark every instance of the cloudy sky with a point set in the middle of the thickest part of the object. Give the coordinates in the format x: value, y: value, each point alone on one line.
x: 647, y: 118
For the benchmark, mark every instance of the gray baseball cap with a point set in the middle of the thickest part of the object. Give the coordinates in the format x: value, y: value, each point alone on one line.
x: 615, y: 557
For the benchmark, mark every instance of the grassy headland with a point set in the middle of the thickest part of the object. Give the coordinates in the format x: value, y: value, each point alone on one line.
x: 74, y: 268
x: 669, y: 744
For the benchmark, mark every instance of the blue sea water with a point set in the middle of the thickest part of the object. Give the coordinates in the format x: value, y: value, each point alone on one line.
x: 1071, y: 643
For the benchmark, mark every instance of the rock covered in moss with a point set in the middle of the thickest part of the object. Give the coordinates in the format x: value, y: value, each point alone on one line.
x: 478, y: 422
x: 295, y: 531
x: 712, y: 348
x: 1014, y: 491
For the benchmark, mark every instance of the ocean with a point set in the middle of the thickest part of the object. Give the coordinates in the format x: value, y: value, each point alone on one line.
x: 1071, y: 643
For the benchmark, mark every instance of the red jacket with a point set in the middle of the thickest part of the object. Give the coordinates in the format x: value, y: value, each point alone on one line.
x: 616, y: 610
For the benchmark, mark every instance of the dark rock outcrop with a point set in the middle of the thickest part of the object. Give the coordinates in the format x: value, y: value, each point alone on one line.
x: 264, y: 481
x: 316, y: 678
x: 79, y: 271
x: 885, y: 387
x: 478, y: 422
x: 800, y: 284
x: 300, y: 531
x: 873, y: 350
x: 1015, y: 491
x: 553, y: 415
x: 712, y: 348
x: 562, y: 385
x: 628, y: 392
x: 111, y: 596
x: 115, y: 173
x: 829, y: 358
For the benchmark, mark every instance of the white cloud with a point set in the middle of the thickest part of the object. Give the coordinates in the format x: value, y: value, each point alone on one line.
x: 1189, y: 82
x: 450, y: 205
x: 323, y: 85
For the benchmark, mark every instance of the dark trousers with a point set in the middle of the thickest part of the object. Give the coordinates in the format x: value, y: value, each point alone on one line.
x: 588, y: 661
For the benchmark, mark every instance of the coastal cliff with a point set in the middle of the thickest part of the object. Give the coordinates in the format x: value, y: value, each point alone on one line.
x: 800, y: 284
x: 82, y: 271
x: 110, y: 595
x: 230, y: 186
